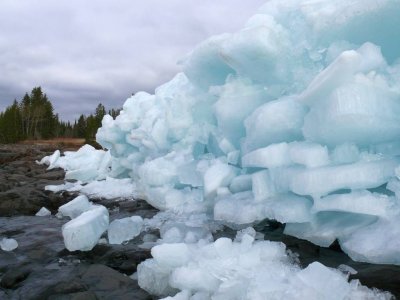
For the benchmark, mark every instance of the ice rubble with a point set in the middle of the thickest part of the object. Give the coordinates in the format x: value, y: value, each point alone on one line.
x: 296, y: 118
x: 242, y: 269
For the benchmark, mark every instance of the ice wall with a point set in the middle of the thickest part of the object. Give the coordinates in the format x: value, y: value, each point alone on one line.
x: 296, y: 118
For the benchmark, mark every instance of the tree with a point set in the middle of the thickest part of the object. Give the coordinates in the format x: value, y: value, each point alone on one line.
x: 80, y: 127
x: 34, y: 118
x: 11, y: 124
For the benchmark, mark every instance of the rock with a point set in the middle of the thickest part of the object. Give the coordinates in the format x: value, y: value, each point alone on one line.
x: 87, y: 295
x: 107, y: 283
x: 125, y: 260
x: 14, y: 276
x: 52, y: 175
x: 69, y: 287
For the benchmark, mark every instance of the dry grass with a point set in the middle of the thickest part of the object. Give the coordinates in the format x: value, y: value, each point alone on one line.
x: 63, y: 142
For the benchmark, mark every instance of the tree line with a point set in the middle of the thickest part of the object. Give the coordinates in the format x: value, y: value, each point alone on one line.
x: 33, y: 117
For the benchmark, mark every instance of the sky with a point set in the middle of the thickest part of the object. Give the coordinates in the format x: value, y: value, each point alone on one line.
x: 83, y: 52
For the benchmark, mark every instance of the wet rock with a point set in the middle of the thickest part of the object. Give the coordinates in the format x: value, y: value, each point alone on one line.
x: 14, y: 276
x: 107, y: 283
x: 52, y: 175
x: 125, y: 261
x: 87, y: 295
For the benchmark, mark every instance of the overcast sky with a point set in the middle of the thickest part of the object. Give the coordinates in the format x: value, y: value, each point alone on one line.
x: 83, y: 52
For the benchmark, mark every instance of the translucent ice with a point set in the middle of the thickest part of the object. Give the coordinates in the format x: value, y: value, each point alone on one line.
x: 122, y: 230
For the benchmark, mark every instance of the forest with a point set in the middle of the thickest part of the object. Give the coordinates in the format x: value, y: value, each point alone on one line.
x: 33, y: 117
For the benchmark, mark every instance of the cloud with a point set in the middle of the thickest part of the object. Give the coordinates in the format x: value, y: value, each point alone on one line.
x: 84, y: 52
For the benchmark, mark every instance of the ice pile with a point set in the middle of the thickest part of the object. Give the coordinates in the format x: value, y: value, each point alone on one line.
x: 242, y: 269
x: 296, y: 118
x: 86, y: 164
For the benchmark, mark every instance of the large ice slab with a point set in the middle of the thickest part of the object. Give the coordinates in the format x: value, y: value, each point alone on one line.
x: 83, y: 232
x: 360, y: 202
x: 361, y: 175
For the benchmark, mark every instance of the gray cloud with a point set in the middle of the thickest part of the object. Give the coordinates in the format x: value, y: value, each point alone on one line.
x: 83, y: 52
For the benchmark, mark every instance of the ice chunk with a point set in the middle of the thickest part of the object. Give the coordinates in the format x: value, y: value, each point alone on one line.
x: 171, y: 255
x: 51, y: 160
x: 377, y: 243
x: 218, y: 175
x: 275, y: 155
x: 327, y: 283
x: 154, y: 279
x: 290, y: 208
x: 238, y: 99
x: 122, y: 230
x: 205, y: 66
x: 336, y: 74
x: 361, y: 202
x: 83, y: 232
x: 75, y: 207
x: 110, y: 188
x: 274, y: 122
x: 241, y: 183
x: 239, y: 208
x: 321, y: 181
x: 43, y: 212
x: 326, y: 227
x: 256, y: 52
x: 262, y: 185
x: 158, y: 172
x: 310, y: 155
x: 362, y: 112
x: 242, y: 208
x: 347, y: 269
x: 8, y: 244
x: 345, y: 153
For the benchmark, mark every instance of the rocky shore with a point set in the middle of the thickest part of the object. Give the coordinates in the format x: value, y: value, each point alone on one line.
x: 41, y: 267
